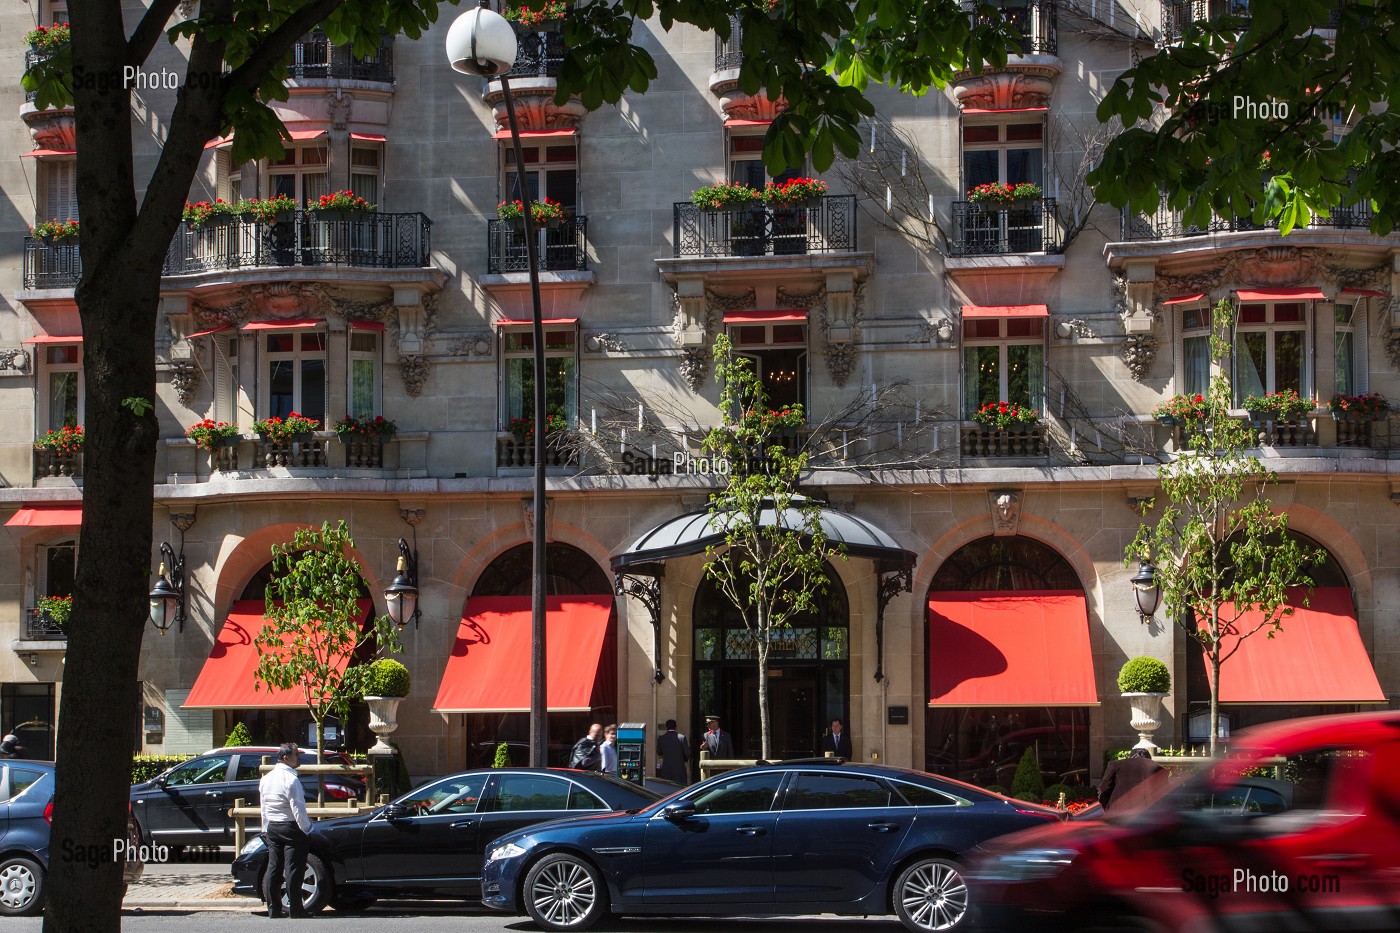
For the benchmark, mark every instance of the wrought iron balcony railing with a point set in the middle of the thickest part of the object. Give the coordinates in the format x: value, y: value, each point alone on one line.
x: 729, y: 53
x: 1167, y: 223
x: 306, y: 238
x: 1178, y: 14
x: 822, y: 225
x: 39, y: 627
x: 561, y: 248
x: 51, y: 265
x: 32, y: 58
x: 316, y: 57
x: 539, y: 50
x: 1029, y: 226
x: 1034, y: 20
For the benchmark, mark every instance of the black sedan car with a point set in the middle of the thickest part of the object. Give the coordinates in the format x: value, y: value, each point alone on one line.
x: 791, y: 838
x: 431, y: 841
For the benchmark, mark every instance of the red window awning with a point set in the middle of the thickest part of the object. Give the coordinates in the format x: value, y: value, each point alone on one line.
x: 1005, y: 110
x: 228, y: 679
x: 969, y: 311
x: 508, y: 322
x: 1185, y: 299
x: 1364, y: 292
x: 1280, y: 294
x: 1316, y: 657
x: 367, y: 325
x: 1023, y: 648
x: 46, y: 153
x: 536, y: 134
x: 489, y: 668
x: 368, y: 137
x: 54, y: 338
x: 748, y: 122
x: 212, y: 330
x: 764, y: 317
x: 300, y: 135
x: 63, y: 515
x: 221, y: 141
x: 288, y: 324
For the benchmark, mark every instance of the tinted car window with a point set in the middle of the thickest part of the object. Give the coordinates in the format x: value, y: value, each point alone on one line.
x: 209, y: 770
x: 837, y: 792
x: 921, y: 796
x: 454, y: 795
x: 581, y: 799
x: 748, y: 793
x: 521, y: 792
x: 21, y: 779
x: 248, y: 768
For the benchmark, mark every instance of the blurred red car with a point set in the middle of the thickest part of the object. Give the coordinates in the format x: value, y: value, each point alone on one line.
x: 1297, y: 830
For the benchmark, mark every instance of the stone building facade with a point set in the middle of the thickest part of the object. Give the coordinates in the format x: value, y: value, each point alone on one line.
x: 892, y: 307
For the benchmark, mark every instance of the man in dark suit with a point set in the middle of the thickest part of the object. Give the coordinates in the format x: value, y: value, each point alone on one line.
x: 837, y: 743
x: 673, y: 755
x: 1131, y: 782
x: 717, y: 741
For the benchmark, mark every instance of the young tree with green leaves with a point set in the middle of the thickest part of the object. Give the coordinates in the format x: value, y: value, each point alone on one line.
x: 1223, y: 556
x: 772, y: 565
x: 314, y: 625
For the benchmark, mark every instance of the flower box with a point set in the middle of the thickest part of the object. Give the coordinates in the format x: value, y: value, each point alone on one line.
x: 1003, y: 416
x: 1370, y: 407
x: 725, y: 196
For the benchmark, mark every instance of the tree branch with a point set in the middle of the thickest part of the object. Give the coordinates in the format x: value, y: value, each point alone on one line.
x: 149, y: 30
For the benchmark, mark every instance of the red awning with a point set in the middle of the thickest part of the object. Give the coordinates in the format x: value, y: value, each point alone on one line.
x: 509, y: 322
x: 1280, y: 294
x: 65, y: 515
x: 1005, y: 311
x: 1023, y: 648
x: 1185, y: 299
x: 284, y: 325
x: 42, y: 153
x: 1316, y: 657
x: 1006, y: 110
x: 1364, y: 292
x: 489, y: 668
x: 55, y: 338
x: 536, y: 134
x: 748, y: 122
x: 212, y: 330
x: 228, y: 679
x: 368, y: 137
x: 764, y: 317
x: 300, y: 135
x: 367, y: 325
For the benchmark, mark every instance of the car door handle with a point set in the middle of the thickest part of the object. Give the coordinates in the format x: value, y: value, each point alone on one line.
x: 883, y: 827
x: 462, y: 824
x: 750, y: 830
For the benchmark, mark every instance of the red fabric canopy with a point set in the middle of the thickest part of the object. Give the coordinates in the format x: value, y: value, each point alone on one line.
x: 748, y: 122
x: 228, y: 679
x: 369, y: 137
x: 1365, y: 292
x: 212, y: 330
x: 507, y: 322
x: 1005, y: 109
x: 307, y: 134
x: 41, y: 153
x: 367, y: 325
x: 1316, y: 657
x: 1184, y: 299
x: 489, y: 668
x: 1005, y: 311
x: 65, y: 515
x: 536, y: 134
x: 1022, y: 648
x: 764, y: 317
x: 55, y: 338
x: 284, y: 325
x: 1280, y: 294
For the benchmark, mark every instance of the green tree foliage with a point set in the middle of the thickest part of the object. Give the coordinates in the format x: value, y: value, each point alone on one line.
x: 1224, y: 559
x: 239, y: 736
x: 313, y: 624
x: 502, y: 756
x: 771, y: 572
x: 1204, y: 112
x: 1028, y: 783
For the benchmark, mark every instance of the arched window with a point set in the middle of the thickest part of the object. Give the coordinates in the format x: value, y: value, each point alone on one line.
x: 568, y: 572
x: 1005, y: 563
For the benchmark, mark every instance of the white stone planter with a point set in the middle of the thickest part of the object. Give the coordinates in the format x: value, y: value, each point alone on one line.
x: 1145, y: 721
x: 383, y: 720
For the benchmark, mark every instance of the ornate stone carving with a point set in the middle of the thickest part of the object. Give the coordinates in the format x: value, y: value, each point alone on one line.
x: 605, y: 343
x: 720, y: 302
x: 740, y: 106
x: 338, y: 107
x: 1392, y: 346
x: 372, y: 310
x: 1139, y: 350
x: 52, y: 128
x: 695, y: 366
x: 1067, y: 327
x: 809, y: 300
x: 942, y: 332
x: 1276, y: 265
x: 16, y: 359
x: 1006, y: 90
x: 414, y: 370
x: 270, y: 300
x: 535, y: 108
x: 471, y: 345
x: 840, y: 360
x: 184, y: 377
x: 412, y: 516
x: 1006, y: 510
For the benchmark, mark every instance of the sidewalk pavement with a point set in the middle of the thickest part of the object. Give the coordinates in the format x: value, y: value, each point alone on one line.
x: 186, y: 890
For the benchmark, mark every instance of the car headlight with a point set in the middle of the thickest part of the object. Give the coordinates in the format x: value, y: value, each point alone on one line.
x: 251, y: 846
x: 1025, y: 865
x: 509, y: 850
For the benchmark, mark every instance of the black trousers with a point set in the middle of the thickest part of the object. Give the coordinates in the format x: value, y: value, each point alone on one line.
x: 286, y: 846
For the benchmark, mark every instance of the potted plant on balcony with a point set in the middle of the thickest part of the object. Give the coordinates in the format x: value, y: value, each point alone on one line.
x: 523, y: 428
x: 47, y: 40
x: 726, y: 195
x: 66, y: 441
x: 57, y: 232
x: 351, y: 428
x: 551, y: 12
x: 546, y: 213
x: 217, y: 212
x: 1183, y: 408
x: 267, y: 210
x: 795, y: 192
x: 1286, y: 406
x: 1370, y: 407
x: 1025, y: 193
x: 341, y: 205
x: 212, y: 435
x: 1010, y: 417
x: 294, y: 427
x: 55, y: 611
x: 1144, y: 682
x: 384, y: 686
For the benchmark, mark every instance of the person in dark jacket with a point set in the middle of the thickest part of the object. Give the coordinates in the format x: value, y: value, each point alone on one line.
x: 673, y: 755
x: 837, y: 742
x: 1130, y: 782
x: 10, y: 747
x: 586, y: 755
x: 716, y: 740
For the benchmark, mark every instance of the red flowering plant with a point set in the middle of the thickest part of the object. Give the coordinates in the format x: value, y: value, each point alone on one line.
x: 56, y: 609
x: 1001, y: 194
x: 1285, y: 405
x: 523, y: 428
x: 49, y: 39
x: 66, y: 440
x: 1371, y: 405
x: 209, y: 433
x: 541, y: 212
x: 793, y: 191
x: 723, y: 195
x: 202, y: 212
x: 341, y: 201
x: 1182, y: 408
x: 265, y: 210
x: 548, y: 13
x: 282, y: 429
x: 1002, y: 415
x: 378, y: 426
x: 56, y: 230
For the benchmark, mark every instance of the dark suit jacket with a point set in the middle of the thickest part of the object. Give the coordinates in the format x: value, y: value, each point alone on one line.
x: 1128, y: 781
x: 841, y: 745
x: 674, y: 757
x: 719, y: 744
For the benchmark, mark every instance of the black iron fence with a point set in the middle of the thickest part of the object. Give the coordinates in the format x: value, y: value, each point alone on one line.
x: 1034, y: 20
x: 1028, y: 226
x: 822, y: 225
x: 1167, y: 223
x: 562, y: 247
x: 51, y: 264
x: 1178, y: 14
x: 315, y: 57
x: 729, y: 53
x: 39, y: 626
x: 539, y: 50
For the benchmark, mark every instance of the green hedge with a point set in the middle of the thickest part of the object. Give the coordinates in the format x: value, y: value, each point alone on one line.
x: 145, y: 767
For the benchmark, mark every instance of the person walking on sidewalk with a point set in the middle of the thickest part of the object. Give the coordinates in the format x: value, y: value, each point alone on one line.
x: 285, y: 824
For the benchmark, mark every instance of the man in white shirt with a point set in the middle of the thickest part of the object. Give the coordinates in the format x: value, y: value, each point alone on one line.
x: 285, y: 824
x: 609, y: 749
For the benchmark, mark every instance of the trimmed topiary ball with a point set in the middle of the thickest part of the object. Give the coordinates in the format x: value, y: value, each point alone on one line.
x: 1144, y: 675
x: 386, y: 678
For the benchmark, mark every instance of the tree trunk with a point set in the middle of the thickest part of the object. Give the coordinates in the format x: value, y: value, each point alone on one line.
x: 765, y: 727
x: 320, y: 758
x: 1214, y: 697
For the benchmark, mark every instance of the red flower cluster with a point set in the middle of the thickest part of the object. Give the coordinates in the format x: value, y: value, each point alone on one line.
x: 1002, y: 415
x: 378, y: 426
x: 66, y: 440
x: 346, y: 200
x: 208, y: 433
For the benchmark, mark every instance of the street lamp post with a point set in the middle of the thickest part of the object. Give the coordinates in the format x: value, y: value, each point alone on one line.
x: 481, y: 42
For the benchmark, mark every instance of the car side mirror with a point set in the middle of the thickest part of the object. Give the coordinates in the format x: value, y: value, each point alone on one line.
x: 679, y: 812
x: 397, y: 811
x: 159, y: 781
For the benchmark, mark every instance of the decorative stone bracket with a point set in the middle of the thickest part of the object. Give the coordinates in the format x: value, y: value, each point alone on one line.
x: 1006, y: 511
x: 16, y: 360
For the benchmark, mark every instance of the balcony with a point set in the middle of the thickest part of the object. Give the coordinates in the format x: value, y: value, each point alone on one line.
x: 1034, y: 20
x: 32, y: 58
x: 539, y: 50
x: 314, y: 57
x: 1022, y: 441
x: 729, y: 53
x: 561, y: 248
x: 981, y: 229
x: 1167, y: 223
x: 515, y: 453
x: 826, y: 225
x: 56, y: 464
x: 39, y: 627
x: 51, y: 265
x: 1176, y: 16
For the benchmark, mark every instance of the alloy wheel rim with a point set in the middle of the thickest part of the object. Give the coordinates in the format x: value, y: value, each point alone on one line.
x: 935, y: 897
x: 17, y: 885
x: 564, y: 893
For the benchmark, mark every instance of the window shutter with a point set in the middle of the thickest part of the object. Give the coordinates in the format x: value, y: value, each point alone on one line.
x: 1176, y: 321
x: 1361, y: 347
x: 223, y: 385
x: 61, y: 198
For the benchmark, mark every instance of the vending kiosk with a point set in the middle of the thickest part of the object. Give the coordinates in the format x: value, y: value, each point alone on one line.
x: 631, y: 751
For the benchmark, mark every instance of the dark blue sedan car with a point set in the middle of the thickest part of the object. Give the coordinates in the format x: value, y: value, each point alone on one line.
x: 791, y: 838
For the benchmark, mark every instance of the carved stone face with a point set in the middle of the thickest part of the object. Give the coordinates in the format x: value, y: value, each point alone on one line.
x: 1006, y: 507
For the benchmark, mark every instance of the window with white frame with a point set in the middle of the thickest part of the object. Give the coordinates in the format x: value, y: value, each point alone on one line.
x: 58, y: 186
x: 1195, y: 350
x: 551, y: 168
x: 300, y: 174
x: 57, y: 565
x: 1271, y: 349
x: 779, y: 354
x: 560, y: 366
x: 61, y: 386
x: 365, y: 161
x: 363, y: 373
x: 1347, y: 379
x: 746, y: 160
x: 226, y: 386
x: 295, y: 367
x: 1010, y: 153
x: 1003, y: 361
x: 58, y: 12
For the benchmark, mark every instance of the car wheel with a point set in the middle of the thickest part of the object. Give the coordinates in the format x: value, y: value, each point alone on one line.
x: 21, y: 887
x: 563, y: 892
x: 931, y: 894
x: 316, y: 886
